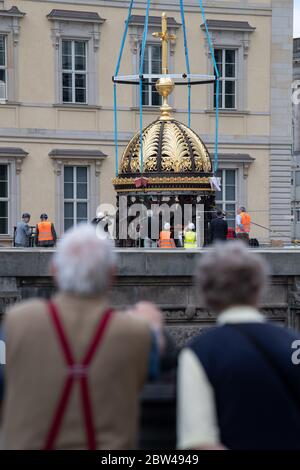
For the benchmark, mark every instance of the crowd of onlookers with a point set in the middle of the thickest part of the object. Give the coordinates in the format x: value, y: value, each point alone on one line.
x: 76, y: 367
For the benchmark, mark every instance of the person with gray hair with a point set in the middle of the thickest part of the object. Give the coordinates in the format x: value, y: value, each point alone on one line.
x: 238, y: 387
x: 75, y: 367
x: 243, y: 224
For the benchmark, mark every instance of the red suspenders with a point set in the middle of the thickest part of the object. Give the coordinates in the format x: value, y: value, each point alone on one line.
x: 75, y: 372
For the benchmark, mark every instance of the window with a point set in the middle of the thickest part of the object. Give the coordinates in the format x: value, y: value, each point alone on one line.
x: 226, y: 198
x: 152, y: 65
x: 152, y: 59
x: 74, y: 71
x: 297, y: 211
x: 4, y: 199
x: 3, y: 67
x: 295, y: 214
x: 75, y: 195
x: 76, y: 38
x: 226, y: 62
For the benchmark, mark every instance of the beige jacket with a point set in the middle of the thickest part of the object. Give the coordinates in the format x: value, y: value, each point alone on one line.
x: 36, y: 371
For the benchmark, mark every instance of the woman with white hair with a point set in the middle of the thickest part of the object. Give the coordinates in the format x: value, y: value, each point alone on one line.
x: 75, y: 367
x: 237, y: 385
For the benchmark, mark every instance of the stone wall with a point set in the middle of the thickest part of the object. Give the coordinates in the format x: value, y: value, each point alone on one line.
x: 165, y: 277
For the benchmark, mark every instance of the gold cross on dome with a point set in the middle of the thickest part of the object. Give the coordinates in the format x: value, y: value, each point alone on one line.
x: 165, y: 37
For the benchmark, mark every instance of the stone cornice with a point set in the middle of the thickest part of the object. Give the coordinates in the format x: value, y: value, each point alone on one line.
x: 12, y: 12
x: 212, y: 7
x: 72, y: 15
x: 62, y: 20
x: 63, y: 156
x: 235, y: 157
x: 14, y: 153
x: 223, y: 25
x: 139, y: 20
x: 77, y: 153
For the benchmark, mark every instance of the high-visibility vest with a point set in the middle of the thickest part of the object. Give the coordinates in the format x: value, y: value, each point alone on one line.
x: 245, y: 221
x: 45, y: 232
x: 165, y: 240
x: 190, y: 239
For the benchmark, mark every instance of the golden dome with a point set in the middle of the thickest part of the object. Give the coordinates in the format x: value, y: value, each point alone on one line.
x: 168, y: 147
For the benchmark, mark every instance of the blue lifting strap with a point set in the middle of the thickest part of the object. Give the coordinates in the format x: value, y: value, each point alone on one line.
x: 217, y: 75
x: 144, y: 40
x: 115, y: 87
x: 187, y: 60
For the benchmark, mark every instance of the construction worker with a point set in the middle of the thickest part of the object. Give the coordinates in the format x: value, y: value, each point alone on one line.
x: 45, y: 234
x: 23, y: 232
x: 190, y: 236
x: 165, y: 239
x: 243, y: 222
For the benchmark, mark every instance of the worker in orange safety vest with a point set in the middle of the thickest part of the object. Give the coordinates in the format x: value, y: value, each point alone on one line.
x: 165, y: 239
x: 45, y: 234
x: 243, y: 224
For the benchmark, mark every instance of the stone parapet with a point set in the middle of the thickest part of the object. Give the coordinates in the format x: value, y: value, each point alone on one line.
x: 165, y: 277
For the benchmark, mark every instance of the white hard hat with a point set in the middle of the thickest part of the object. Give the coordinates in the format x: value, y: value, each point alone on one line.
x: 167, y: 226
x: 191, y: 226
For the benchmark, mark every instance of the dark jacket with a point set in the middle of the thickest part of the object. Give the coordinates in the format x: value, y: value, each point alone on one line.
x: 218, y: 230
x: 257, y: 396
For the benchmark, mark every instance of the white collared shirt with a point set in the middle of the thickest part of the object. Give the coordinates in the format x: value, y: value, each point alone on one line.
x: 197, y: 424
x: 238, y: 221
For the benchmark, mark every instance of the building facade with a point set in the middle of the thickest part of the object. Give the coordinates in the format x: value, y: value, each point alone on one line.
x: 56, y: 103
x: 296, y: 140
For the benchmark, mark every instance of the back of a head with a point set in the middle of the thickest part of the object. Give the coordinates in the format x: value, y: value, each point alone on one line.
x: 84, y: 261
x: 243, y: 209
x: 230, y: 275
x: 219, y: 214
x: 191, y: 226
x: 167, y: 226
x: 44, y: 217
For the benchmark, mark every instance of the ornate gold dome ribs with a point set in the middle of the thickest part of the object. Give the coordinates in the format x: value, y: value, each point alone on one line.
x: 168, y: 147
x: 201, y: 155
x: 175, y: 151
